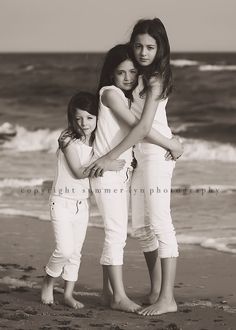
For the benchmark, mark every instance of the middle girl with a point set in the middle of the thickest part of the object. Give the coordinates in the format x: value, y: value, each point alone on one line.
x: 118, y: 79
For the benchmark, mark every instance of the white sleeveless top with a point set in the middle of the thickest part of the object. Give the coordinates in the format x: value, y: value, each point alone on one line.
x: 160, y: 120
x: 110, y: 130
x: 65, y: 184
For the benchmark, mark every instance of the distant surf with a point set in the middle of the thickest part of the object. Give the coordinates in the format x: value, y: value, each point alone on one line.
x: 45, y: 140
x: 209, y: 67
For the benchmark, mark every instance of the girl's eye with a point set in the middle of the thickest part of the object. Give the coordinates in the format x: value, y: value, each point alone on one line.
x: 150, y: 48
x: 137, y: 46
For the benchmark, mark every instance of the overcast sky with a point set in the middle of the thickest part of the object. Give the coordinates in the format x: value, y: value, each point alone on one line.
x: 97, y: 25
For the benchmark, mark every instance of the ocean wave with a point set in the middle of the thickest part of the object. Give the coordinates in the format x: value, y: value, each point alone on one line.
x: 45, y: 216
x: 13, y: 283
x: 7, y: 130
x: 39, y: 140
x: 18, y: 183
x: 209, y: 67
x: 195, y: 149
x: 183, y: 62
x: 30, y: 214
x: 223, y: 244
x: 16, y: 283
x: 183, y: 127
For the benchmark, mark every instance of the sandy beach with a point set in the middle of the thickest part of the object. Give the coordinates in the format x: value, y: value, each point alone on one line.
x: 204, y: 290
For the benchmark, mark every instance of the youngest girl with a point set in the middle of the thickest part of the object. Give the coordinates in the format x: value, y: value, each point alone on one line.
x: 69, y: 209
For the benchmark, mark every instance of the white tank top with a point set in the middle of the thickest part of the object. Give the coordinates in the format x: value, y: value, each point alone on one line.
x: 110, y: 130
x: 160, y: 120
x: 65, y: 184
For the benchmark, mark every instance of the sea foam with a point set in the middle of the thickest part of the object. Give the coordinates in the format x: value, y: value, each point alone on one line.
x: 18, y: 183
x: 46, y: 140
x: 222, y: 244
x: 39, y: 140
x: 195, y: 149
x: 183, y: 62
x: 210, y: 67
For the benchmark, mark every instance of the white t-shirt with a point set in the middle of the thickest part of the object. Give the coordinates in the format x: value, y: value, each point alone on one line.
x: 110, y: 130
x: 65, y: 184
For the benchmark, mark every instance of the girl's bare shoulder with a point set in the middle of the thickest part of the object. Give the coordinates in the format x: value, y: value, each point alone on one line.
x: 110, y: 95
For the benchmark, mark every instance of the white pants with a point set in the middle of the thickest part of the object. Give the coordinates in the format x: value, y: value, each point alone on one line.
x: 70, y: 220
x: 150, y: 193
x: 112, y: 196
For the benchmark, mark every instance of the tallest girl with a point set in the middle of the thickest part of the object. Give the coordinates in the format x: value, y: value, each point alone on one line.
x: 153, y: 174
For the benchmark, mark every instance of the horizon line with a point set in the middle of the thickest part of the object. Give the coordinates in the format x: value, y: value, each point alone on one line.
x: 103, y: 52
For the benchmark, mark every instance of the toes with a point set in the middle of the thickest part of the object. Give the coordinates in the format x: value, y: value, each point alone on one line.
x: 47, y: 302
x: 142, y: 312
x: 78, y: 305
x: 148, y: 312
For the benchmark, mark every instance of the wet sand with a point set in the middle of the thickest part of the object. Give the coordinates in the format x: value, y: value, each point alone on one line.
x: 204, y: 290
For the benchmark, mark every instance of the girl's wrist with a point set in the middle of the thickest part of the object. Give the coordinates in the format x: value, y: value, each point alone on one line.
x: 174, y: 144
x: 109, y: 156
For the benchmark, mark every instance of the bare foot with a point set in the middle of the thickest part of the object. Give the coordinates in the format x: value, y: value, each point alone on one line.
x: 71, y: 302
x: 162, y: 306
x: 125, y: 304
x: 47, y: 290
x: 151, y: 298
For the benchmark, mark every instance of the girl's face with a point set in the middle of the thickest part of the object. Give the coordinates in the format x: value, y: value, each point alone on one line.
x: 125, y: 75
x: 145, y: 49
x: 86, y: 121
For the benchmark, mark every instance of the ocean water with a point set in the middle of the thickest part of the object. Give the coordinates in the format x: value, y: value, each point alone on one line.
x: 34, y: 91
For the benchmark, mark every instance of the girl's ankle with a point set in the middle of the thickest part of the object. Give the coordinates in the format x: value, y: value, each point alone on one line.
x: 68, y: 295
x: 118, y: 297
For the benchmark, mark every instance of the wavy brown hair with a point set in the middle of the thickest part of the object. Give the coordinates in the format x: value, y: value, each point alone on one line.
x: 161, y: 63
x: 114, y: 57
x: 82, y: 101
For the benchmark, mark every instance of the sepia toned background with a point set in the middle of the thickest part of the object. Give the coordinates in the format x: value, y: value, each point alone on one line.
x: 51, y: 49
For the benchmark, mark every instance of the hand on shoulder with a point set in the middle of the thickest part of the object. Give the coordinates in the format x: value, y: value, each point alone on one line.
x: 155, y: 85
x: 64, y: 139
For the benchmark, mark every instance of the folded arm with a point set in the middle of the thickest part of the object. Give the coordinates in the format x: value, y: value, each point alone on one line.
x: 74, y: 162
x: 141, y: 128
x: 114, y: 101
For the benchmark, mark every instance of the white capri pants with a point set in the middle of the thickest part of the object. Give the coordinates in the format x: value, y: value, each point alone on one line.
x: 150, y: 193
x: 70, y: 220
x: 112, y: 196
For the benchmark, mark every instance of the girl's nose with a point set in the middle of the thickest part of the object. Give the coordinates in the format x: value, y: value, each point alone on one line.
x: 143, y: 51
x: 126, y: 76
x: 83, y: 122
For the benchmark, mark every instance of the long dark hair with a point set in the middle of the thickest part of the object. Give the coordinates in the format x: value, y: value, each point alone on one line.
x: 83, y: 101
x: 114, y: 57
x: 161, y: 63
